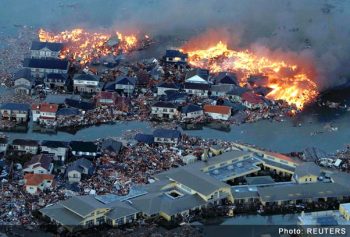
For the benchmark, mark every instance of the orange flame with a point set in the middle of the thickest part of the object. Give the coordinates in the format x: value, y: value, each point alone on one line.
x: 83, y: 46
x: 295, y: 88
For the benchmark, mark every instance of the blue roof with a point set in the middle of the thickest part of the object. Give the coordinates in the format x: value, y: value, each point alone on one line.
x: 79, y: 104
x: 126, y: 80
x: 175, y: 53
x: 15, y: 106
x: 68, y: 112
x: 190, y: 108
x: 23, y: 73
x: 45, y: 63
x: 145, y: 138
x: 166, y: 133
x: 86, y: 77
x: 36, y: 45
x: 59, y: 76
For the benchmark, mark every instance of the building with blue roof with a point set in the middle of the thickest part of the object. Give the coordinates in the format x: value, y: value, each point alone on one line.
x: 144, y: 138
x: 168, y: 136
x: 40, y: 67
x: 45, y: 49
x: 56, y: 80
x: 125, y: 84
x: 175, y: 57
x: 23, y: 81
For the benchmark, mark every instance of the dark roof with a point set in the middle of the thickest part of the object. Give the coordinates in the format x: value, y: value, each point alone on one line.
x: 307, y: 168
x: 15, y: 106
x: 145, y: 138
x: 203, y: 73
x: 126, y: 80
x: 168, y: 85
x: 45, y: 63
x: 54, y: 144
x: 25, y: 142
x: 23, y: 73
x: 79, y: 164
x: 44, y: 159
x: 86, y: 77
x: 175, y: 53
x: 111, y: 145
x: 226, y: 78
x: 59, y: 76
x: 36, y: 45
x: 237, y: 90
x: 196, y: 86
x: 83, y: 105
x: 190, y: 108
x: 167, y: 133
x: 83, y: 146
x: 68, y: 112
x: 164, y: 104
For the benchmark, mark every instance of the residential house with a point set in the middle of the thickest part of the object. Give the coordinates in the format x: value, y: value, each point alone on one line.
x: 56, y: 81
x: 34, y: 183
x: 39, y: 164
x: 15, y: 111
x: 58, y: 148
x: 125, y: 84
x: 221, y: 90
x: 86, y: 83
x: 175, y: 57
x: 106, y: 98
x: 23, y: 81
x: 307, y: 172
x: 197, y: 89
x: 3, y: 144
x: 44, y: 113
x: 252, y: 101
x: 219, y: 112
x: 197, y: 75
x: 167, y: 136
x: 83, y: 105
x: 164, y: 86
x: 111, y: 146
x: 78, y: 169
x: 176, y: 97
x: 40, y: 67
x: 65, y: 113
x: 44, y: 50
x: 165, y: 110
x: 226, y: 78
x: 191, y: 111
x: 25, y: 145
x: 236, y: 93
x: 144, y: 138
x: 85, y: 149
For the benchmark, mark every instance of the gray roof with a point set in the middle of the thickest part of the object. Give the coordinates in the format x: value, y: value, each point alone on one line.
x: 203, y: 73
x: 222, y: 88
x: 82, y: 205
x: 79, y: 164
x: 226, y: 156
x: 111, y: 145
x: 23, y: 73
x: 259, y: 180
x: 166, y: 133
x: 120, y: 209
x: 62, y: 215
x: 56, y: 47
x: 307, y: 168
x: 86, y: 77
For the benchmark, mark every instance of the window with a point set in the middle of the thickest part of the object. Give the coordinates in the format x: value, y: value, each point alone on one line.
x: 89, y: 223
x: 100, y: 220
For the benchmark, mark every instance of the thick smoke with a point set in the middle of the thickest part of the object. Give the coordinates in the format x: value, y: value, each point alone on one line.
x: 311, y: 30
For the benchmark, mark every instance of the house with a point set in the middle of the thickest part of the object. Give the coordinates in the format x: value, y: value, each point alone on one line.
x: 40, y: 67
x: 111, y: 146
x: 86, y: 149
x: 236, y: 92
x: 226, y: 78
x: 67, y: 112
x: 197, y: 75
x: 15, y: 111
x: 219, y: 112
x: 58, y: 148
x: 3, y: 144
x: 86, y: 83
x: 23, y: 81
x: 176, y: 97
x: 221, y: 90
x: 258, y: 80
x: 39, y: 164
x: 106, y: 98
x: 164, y: 86
x: 35, y: 183
x: 44, y: 113
x: 56, y: 81
x: 175, y: 57
x: 78, y: 169
x: 197, y: 89
x: 125, y: 84
x: 144, y: 138
x: 44, y: 50
x: 165, y: 110
x: 167, y: 136
x: 80, y: 104
x: 191, y: 111
x: 252, y: 101
x: 25, y: 145
x: 307, y: 172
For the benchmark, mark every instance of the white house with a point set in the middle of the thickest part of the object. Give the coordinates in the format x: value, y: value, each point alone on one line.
x: 197, y: 89
x: 163, y: 109
x: 37, y: 182
x: 58, y: 148
x: 166, y: 136
x: 25, y: 145
x: 77, y: 169
x: 41, y: 67
x: 163, y: 87
x: 197, y: 75
x: 44, y: 112
x: 125, y: 84
x: 219, y: 112
x: 3, y: 144
x: 45, y: 49
x: 191, y: 111
x: 39, y: 164
x: 86, y: 83
x: 23, y: 81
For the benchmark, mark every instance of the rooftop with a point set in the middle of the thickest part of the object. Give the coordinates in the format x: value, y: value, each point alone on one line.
x: 37, y: 179
x: 45, y: 63
x: 219, y: 109
x: 56, y: 47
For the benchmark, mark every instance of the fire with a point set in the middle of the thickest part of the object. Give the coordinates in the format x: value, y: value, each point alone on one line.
x: 287, y: 81
x: 83, y: 46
